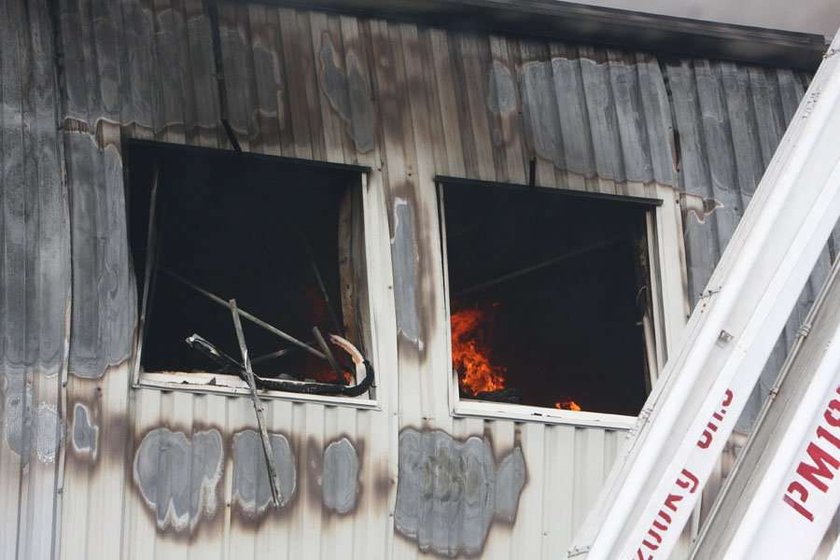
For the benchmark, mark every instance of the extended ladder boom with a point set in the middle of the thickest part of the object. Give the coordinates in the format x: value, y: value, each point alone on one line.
x: 706, y: 383
x: 782, y: 493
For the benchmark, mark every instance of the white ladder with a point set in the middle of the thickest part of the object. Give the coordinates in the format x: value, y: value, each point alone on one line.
x: 705, y: 385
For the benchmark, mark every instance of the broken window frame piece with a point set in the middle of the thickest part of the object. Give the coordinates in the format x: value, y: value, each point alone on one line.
x: 662, y: 324
x: 357, y: 215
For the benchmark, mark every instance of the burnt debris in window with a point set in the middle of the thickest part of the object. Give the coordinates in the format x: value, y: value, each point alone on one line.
x: 281, y: 237
x: 547, y: 293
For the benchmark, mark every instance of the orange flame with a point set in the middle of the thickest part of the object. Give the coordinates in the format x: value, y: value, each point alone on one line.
x: 470, y: 357
x: 567, y: 405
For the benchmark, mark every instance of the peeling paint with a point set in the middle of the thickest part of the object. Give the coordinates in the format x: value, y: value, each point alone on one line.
x: 85, y: 435
x: 26, y: 428
x: 501, y: 89
x: 447, y: 490
x: 699, y: 207
x: 542, y: 122
x: 46, y: 432
x: 406, y: 266
x: 251, y: 489
x: 349, y: 94
x: 361, y: 103
x: 104, y: 306
x: 16, y: 415
x: 340, y: 478
x: 567, y: 83
x: 510, y: 479
x: 267, y: 67
x: 597, y: 119
x: 177, y: 476
x: 333, y: 80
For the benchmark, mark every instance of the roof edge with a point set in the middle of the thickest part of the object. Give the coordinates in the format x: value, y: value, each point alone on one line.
x: 609, y: 27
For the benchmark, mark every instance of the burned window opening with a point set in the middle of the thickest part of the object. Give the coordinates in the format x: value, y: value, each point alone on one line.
x: 549, y: 296
x: 282, y: 237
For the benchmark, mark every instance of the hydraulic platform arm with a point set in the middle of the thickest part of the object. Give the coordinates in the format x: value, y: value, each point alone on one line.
x: 706, y: 383
x: 783, y: 491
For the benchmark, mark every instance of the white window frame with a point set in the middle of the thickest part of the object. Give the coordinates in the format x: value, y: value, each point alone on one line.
x: 374, y: 220
x: 669, y: 298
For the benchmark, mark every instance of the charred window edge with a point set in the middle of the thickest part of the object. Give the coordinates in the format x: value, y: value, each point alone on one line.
x: 649, y: 298
x: 230, y: 376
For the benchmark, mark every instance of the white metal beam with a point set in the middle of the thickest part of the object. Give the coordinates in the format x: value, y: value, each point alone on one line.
x: 705, y: 385
x: 775, y: 489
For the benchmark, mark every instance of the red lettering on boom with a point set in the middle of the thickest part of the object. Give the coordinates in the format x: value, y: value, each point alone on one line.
x: 819, y: 466
x: 687, y: 481
x: 712, y: 426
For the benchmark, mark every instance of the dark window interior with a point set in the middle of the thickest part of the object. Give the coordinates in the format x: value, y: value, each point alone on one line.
x: 547, y: 293
x: 257, y: 229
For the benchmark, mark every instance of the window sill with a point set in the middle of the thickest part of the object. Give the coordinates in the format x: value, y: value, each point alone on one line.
x: 229, y: 385
x: 523, y: 413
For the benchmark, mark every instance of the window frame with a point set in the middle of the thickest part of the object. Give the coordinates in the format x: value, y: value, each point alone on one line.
x: 669, y: 313
x: 231, y: 385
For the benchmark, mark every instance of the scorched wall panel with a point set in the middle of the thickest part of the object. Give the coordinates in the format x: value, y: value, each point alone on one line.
x: 150, y: 473
x: 34, y: 282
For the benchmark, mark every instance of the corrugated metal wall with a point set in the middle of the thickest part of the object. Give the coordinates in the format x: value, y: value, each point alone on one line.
x: 730, y: 119
x: 409, y: 102
x: 34, y: 281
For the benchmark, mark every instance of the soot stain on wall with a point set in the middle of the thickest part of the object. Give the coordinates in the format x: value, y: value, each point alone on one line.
x: 178, y: 475
x: 449, y: 491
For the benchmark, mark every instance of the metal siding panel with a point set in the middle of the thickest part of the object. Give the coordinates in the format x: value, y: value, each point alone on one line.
x: 168, y: 29
x: 419, y: 191
x: 559, y: 489
x: 730, y: 119
x: 14, y: 226
x: 630, y: 129
x: 139, y: 532
x: 700, y: 231
x: 528, y: 526
x: 507, y: 133
x: 578, y: 153
x: 658, y: 119
x: 426, y: 121
x: 34, y: 282
x: 316, y: 422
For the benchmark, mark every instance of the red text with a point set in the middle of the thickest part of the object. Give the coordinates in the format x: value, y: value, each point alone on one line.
x: 818, y: 468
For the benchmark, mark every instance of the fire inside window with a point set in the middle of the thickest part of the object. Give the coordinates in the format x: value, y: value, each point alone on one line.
x: 282, y: 238
x: 548, y: 294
